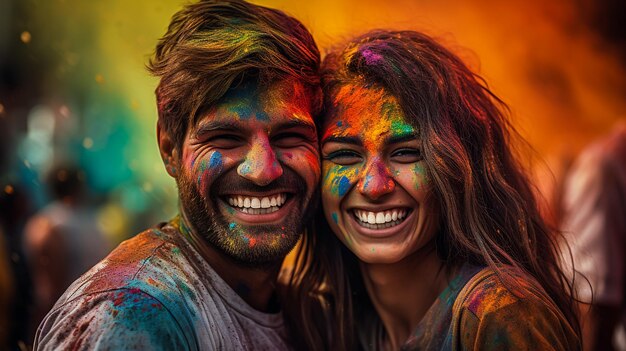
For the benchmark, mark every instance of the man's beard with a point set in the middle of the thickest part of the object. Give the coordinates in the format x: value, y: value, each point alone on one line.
x: 248, y: 245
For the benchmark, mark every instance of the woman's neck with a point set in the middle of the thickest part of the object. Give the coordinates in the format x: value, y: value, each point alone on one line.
x: 402, y: 292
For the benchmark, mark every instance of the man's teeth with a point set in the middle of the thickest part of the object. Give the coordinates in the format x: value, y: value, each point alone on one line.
x: 386, y: 218
x: 258, y: 205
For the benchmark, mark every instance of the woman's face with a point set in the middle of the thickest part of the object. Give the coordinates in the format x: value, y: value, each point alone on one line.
x: 375, y: 188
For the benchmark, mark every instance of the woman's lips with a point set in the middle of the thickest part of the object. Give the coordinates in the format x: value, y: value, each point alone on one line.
x: 380, y: 223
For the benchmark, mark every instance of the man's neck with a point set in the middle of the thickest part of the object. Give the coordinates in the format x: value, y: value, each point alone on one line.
x: 256, y: 286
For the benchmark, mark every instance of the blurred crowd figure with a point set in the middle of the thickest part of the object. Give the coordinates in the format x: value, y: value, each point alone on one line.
x: 62, y: 241
x: 593, y: 219
x: 42, y: 253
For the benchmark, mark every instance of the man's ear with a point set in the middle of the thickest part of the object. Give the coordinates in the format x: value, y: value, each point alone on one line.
x: 169, y: 151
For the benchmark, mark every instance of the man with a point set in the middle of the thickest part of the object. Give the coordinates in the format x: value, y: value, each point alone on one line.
x: 238, y: 91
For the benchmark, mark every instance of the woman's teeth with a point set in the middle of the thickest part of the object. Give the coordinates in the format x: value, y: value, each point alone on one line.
x: 380, y: 220
x: 257, y: 205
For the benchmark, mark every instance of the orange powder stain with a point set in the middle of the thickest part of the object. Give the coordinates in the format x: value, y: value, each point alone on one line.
x: 369, y: 113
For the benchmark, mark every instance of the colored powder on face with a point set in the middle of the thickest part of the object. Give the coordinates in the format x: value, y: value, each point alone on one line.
x: 339, y: 179
x: 335, y: 218
x: 262, y: 116
x: 176, y: 250
x: 232, y: 225
x: 370, y: 114
x: 366, y: 182
x: 400, y: 127
x: 343, y: 186
x: 245, y: 169
x: 420, y: 175
x: 216, y: 161
x: 241, y: 110
x: 214, y: 165
x: 251, y: 242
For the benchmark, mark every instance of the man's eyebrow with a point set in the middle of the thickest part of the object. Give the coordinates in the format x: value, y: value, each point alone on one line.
x: 217, y: 125
x: 295, y: 123
x: 343, y: 140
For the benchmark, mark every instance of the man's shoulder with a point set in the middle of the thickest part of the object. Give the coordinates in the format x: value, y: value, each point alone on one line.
x: 126, y: 263
x: 133, y: 294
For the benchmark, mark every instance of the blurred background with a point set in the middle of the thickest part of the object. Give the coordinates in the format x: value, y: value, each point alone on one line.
x: 78, y: 115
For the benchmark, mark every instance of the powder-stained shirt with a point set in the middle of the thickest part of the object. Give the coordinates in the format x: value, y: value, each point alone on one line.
x: 155, y: 292
x: 477, y: 312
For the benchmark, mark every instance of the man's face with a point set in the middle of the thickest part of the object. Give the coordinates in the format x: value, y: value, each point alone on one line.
x: 249, y: 171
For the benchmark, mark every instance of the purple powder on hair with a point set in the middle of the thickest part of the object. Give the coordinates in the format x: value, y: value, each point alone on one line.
x: 371, y: 58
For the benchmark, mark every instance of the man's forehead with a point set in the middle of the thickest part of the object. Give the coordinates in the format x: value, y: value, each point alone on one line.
x: 279, y: 102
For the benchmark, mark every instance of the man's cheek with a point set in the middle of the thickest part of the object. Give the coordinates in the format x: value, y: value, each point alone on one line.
x: 339, y: 179
x: 211, y: 166
x: 308, y: 163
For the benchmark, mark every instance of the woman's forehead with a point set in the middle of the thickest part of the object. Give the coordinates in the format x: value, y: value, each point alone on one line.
x: 369, y: 113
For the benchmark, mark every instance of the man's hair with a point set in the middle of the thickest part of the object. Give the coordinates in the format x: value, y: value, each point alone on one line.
x: 212, y: 46
x: 490, y: 215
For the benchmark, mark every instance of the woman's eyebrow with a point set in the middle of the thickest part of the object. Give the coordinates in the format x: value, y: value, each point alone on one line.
x: 394, y: 139
x: 343, y: 140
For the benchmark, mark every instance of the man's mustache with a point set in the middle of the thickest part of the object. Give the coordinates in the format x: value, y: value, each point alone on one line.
x: 234, y: 183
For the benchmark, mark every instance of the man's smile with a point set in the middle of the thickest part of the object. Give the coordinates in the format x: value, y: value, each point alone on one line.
x: 257, y: 205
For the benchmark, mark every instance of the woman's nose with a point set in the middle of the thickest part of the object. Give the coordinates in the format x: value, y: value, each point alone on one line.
x: 377, y: 180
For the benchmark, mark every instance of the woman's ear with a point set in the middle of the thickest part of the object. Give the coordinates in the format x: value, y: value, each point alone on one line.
x: 169, y: 151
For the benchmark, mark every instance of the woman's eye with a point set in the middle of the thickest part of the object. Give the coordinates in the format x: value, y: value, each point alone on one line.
x: 344, y: 157
x: 407, y: 155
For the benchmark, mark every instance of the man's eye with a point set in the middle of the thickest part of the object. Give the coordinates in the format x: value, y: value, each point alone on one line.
x: 225, y: 141
x: 344, y: 157
x: 287, y: 140
x: 407, y: 155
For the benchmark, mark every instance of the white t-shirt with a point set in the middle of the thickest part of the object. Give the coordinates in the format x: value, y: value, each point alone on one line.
x: 155, y: 292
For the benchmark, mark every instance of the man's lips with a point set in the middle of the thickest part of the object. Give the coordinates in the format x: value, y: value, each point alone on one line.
x: 259, y: 209
x: 257, y: 205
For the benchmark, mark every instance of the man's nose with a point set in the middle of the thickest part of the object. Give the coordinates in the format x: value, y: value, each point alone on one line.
x: 377, y: 180
x: 260, y: 165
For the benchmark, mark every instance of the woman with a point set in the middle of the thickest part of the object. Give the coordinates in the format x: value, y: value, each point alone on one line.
x: 432, y: 238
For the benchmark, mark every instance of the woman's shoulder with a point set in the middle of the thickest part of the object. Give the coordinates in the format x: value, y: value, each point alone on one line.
x: 496, y: 310
x: 489, y: 291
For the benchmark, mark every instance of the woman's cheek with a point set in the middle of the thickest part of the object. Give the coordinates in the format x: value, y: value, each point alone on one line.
x: 412, y: 176
x: 339, y: 179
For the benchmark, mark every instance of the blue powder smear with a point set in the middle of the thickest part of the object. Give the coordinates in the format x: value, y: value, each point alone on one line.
x: 343, y: 186
x: 216, y: 160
